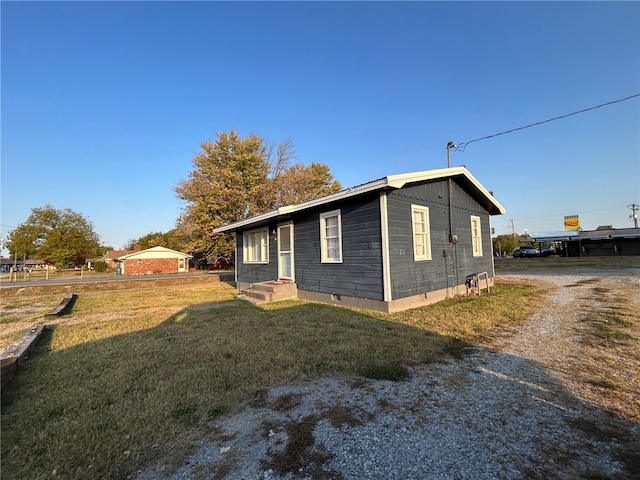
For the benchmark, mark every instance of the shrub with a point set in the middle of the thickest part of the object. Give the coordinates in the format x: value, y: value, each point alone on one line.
x: 100, y: 267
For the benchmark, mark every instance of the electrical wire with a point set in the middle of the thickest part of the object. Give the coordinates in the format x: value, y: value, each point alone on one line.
x: 556, y: 215
x: 462, y: 146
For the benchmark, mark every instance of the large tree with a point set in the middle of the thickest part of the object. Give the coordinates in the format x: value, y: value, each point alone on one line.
x: 238, y: 177
x: 299, y: 183
x: 59, y: 236
x: 170, y: 239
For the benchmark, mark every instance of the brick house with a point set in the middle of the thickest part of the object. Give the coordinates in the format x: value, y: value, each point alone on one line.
x: 111, y: 257
x: 153, y: 261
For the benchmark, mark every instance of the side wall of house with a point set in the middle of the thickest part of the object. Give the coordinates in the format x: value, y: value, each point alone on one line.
x: 148, y: 266
x: 360, y: 273
x: 449, y: 265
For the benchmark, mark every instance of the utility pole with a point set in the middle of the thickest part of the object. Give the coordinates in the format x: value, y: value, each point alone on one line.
x: 453, y: 255
x: 513, y: 230
x: 634, y: 216
x: 450, y: 145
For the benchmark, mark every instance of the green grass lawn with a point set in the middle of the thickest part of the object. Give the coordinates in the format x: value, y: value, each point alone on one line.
x: 141, y: 374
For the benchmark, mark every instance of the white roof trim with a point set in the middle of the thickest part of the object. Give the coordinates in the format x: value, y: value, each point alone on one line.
x: 399, y: 181
x: 391, y: 181
x: 154, y: 249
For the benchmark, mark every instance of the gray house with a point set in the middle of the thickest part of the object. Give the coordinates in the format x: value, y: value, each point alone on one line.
x: 395, y: 243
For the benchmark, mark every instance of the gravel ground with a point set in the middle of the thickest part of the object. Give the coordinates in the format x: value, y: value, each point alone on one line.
x: 510, y: 409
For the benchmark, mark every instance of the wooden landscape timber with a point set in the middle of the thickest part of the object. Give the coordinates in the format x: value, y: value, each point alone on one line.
x: 18, y: 352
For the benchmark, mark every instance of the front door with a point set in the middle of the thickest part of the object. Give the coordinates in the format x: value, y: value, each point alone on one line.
x: 181, y: 265
x: 285, y: 252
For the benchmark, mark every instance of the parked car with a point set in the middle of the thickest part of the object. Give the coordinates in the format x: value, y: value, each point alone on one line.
x: 545, y: 251
x: 220, y: 263
x: 523, y: 252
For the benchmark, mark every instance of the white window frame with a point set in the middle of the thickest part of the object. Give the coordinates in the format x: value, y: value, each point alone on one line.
x: 249, y: 248
x: 421, y: 236
x: 324, y: 239
x: 476, y: 236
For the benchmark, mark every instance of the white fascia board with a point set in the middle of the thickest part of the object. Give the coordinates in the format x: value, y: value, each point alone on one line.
x: 248, y: 221
x: 484, y: 191
x: 341, y: 195
x: 399, y: 181
x: 289, y: 209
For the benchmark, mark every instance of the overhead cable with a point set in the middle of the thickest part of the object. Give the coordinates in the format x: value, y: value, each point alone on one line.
x: 461, y: 146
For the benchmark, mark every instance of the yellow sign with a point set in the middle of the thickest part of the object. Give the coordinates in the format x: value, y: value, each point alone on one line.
x: 571, y: 222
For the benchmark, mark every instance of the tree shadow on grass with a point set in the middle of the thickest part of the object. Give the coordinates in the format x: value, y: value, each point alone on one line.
x: 107, y: 407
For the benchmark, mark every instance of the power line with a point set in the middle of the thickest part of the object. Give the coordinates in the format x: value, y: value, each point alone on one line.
x: 461, y: 147
x: 555, y: 215
x: 504, y: 223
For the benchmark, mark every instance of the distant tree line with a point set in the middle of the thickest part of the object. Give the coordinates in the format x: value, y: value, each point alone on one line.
x: 233, y: 178
x: 504, y: 244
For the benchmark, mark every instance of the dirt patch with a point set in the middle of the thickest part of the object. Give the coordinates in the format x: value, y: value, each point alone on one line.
x: 20, y: 310
x: 300, y: 453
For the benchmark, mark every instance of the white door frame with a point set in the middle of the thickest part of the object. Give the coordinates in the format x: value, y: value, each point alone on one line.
x: 289, y: 252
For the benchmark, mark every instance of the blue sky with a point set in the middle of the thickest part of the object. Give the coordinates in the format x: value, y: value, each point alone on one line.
x: 104, y: 104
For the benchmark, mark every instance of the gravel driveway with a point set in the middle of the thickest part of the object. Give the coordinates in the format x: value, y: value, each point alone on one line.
x: 511, y: 409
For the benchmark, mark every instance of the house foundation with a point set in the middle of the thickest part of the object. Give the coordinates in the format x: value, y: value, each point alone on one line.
x: 265, y: 292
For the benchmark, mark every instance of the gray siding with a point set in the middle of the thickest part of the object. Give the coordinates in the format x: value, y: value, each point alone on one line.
x: 255, y: 272
x: 360, y: 273
x: 409, y: 277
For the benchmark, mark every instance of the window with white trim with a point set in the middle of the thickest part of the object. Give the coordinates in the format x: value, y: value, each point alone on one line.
x: 331, y: 237
x: 421, y: 233
x: 476, y: 236
x: 255, y: 246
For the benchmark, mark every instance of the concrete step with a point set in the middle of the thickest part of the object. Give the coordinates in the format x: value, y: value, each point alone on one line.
x: 259, y: 295
x: 272, y: 291
x: 255, y: 301
x: 278, y: 286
